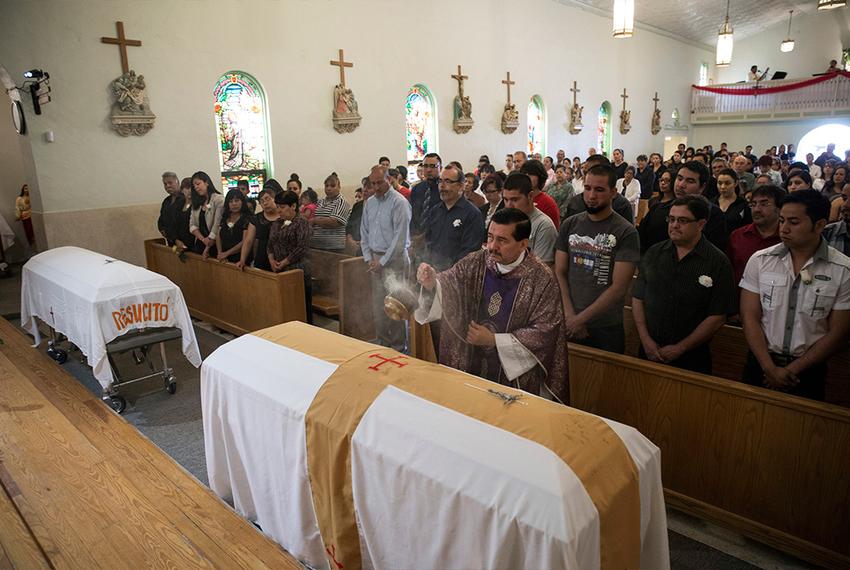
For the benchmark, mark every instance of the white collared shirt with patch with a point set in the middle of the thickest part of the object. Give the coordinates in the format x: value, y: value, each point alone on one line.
x: 795, y: 309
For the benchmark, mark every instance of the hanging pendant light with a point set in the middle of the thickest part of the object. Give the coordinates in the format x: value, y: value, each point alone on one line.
x: 624, y: 18
x: 831, y: 4
x: 724, y: 42
x: 788, y: 44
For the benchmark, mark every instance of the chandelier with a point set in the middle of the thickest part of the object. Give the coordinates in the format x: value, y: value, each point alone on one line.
x: 788, y: 44
x: 624, y: 18
x: 724, y: 42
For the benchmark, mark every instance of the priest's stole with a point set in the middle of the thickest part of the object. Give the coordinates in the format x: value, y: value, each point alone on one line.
x: 352, y: 455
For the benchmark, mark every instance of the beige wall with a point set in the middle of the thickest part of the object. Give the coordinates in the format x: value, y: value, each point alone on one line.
x: 287, y: 46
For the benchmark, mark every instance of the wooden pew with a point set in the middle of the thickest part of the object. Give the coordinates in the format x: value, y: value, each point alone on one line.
x: 236, y: 301
x: 82, y: 488
x: 343, y: 287
x: 324, y: 266
x: 729, y: 354
x: 771, y: 466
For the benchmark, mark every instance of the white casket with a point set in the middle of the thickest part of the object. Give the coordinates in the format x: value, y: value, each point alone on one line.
x: 93, y: 299
x: 430, y: 487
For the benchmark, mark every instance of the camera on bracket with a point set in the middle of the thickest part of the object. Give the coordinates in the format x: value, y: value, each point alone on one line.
x: 39, y: 86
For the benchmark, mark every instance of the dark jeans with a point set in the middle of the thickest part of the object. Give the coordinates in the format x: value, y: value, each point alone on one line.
x: 812, y: 380
x: 696, y: 360
x: 611, y: 338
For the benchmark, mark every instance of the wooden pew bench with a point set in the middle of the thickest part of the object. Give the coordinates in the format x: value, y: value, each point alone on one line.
x: 343, y: 287
x: 236, y: 301
x: 768, y: 465
x: 729, y: 355
x: 82, y: 488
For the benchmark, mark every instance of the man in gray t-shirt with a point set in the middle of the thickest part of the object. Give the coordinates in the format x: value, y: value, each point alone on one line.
x: 595, y: 259
x: 517, y: 194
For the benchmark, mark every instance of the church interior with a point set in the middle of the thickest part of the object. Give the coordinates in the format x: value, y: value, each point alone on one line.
x: 328, y: 284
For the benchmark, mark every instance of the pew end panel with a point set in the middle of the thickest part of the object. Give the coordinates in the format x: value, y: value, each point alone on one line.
x: 355, y: 299
x: 233, y: 300
x: 325, y: 279
x: 771, y: 466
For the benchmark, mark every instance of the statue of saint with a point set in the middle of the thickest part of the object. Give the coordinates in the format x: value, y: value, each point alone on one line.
x: 344, y: 102
x: 575, y: 114
x: 656, y: 121
x: 625, y: 117
x: 129, y: 92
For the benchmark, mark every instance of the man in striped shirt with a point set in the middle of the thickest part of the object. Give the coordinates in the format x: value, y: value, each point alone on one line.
x: 331, y: 217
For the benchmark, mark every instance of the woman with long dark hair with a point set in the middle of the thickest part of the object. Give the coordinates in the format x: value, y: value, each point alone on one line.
x: 234, y: 223
x: 207, y: 209
x: 734, y: 207
x: 256, y: 240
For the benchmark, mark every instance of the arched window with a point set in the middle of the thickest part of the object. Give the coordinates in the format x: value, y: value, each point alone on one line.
x: 420, y: 114
x: 816, y: 140
x: 603, y: 130
x: 536, y: 126
x: 241, y: 121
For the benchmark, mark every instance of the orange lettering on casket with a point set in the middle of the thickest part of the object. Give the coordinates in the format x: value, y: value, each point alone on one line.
x: 139, y: 313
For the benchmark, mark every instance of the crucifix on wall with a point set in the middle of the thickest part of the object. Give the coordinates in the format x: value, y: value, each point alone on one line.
x: 625, y: 115
x: 575, y: 112
x: 510, y: 116
x: 131, y: 114
x: 345, y: 115
x: 655, y: 125
x: 463, y: 106
x: 122, y: 42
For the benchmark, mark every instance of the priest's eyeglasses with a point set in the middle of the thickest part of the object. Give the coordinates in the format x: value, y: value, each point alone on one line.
x: 680, y: 221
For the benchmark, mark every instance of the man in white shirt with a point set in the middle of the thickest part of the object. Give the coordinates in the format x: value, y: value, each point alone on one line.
x: 517, y: 194
x: 814, y: 169
x: 795, y: 302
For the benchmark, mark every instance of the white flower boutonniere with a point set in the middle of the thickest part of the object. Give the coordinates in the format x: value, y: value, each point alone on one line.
x: 806, y: 276
x: 705, y: 281
x: 286, y: 222
x: 611, y: 241
x: 457, y: 223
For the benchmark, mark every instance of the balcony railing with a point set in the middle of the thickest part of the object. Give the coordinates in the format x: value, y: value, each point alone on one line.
x: 754, y: 101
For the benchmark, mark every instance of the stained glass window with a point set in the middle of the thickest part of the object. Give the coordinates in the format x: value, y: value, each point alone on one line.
x: 536, y: 126
x: 241, y: 123
x: 420, y: 117
x: 603, y: 130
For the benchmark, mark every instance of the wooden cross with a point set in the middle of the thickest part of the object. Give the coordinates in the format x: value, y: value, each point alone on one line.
x: 342, y: 64
x: 122, y: 42
x: 656, y: 99
x: 460, y: 77
x: 508, y: 82
x: 624, y: 97
x: 575, y: 91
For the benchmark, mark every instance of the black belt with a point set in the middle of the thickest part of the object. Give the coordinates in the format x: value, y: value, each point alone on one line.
x: 782, y: 359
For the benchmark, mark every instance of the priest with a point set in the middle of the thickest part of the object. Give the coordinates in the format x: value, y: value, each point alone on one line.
x: 501, y: 313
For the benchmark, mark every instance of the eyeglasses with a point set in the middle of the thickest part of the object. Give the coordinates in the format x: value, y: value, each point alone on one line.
x: 493, y: 191
x: 426, y: 165
x: 680, y: 221
x: 447, y: 181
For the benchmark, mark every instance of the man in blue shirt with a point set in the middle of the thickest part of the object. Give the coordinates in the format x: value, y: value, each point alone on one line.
x: 384, y: 239
x: 455, y: 226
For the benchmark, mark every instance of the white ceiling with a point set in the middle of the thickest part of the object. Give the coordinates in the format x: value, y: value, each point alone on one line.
x: 699, y: 22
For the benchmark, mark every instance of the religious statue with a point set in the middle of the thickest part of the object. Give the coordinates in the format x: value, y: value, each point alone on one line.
x: 131, y: 113
x: 510, y: 119
x: 462, y: 106
x: 575, y: 118
x: 656, y: 122
x: 346, y: 117
x: 625, y: 125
